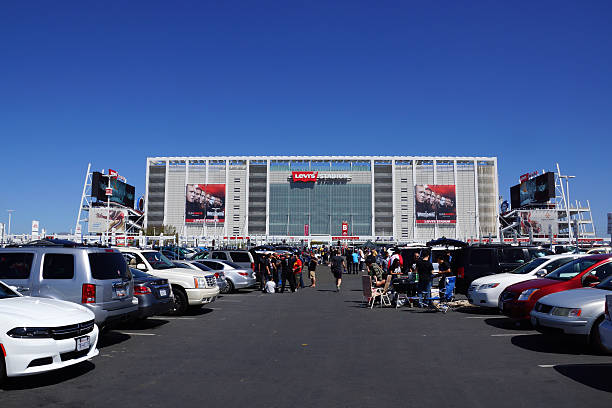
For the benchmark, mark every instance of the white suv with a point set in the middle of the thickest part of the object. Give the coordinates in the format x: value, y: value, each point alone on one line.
x: 190, y: 287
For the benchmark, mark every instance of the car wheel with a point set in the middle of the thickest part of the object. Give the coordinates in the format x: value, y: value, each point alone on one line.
x: 594, y: 338
x: 230, y: 286
x: 180, y: 301
x: 2, y: 371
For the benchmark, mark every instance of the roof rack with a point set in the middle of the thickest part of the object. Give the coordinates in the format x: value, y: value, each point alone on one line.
x: 64, y: 243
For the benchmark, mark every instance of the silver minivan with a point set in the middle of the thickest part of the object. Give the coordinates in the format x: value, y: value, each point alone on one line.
x: 242, y: 258
x: 97, y: 278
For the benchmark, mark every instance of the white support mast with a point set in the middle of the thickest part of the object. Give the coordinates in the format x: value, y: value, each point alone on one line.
x: 83, y: 212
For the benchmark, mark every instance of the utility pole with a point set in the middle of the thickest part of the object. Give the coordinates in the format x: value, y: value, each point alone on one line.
x: 10, y: 213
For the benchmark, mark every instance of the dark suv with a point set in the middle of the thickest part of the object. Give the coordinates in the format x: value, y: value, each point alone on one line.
x: 473, y: 262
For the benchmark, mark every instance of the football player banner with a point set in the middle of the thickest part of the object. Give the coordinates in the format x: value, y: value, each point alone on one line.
x: 205, y: 203
x: 435, y: 204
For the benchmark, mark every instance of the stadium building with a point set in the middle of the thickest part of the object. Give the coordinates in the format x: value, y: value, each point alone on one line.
x: 324, y: 198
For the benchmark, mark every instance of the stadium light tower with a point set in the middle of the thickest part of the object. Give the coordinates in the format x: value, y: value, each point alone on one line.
x: 567, y: 207
x: 10, y: 212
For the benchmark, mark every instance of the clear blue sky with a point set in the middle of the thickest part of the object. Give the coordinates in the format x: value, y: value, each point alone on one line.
x: 114, y: 82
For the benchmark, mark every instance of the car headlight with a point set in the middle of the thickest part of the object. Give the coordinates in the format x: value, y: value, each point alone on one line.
x: 488, y: 286
x: 566, y: 311
x: 526, y: 294
x: 30, y: 332
x: 199, y: 282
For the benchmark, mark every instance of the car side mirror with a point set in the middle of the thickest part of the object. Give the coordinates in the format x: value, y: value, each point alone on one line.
x: 590, y: 281
x: 541, y: 273
x: 141, y: 267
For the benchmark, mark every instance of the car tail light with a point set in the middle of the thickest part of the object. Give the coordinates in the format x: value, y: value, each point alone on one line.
x: 243, y: 273
x: 460, y: 272
x: 3, y: 350
x: 253, y: 266
x: 89, y: 293
x: 217, y: 275
x: 141, y: 290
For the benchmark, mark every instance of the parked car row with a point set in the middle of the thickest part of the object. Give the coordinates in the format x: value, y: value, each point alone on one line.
x: 566, y: 295
x: 56, y: 297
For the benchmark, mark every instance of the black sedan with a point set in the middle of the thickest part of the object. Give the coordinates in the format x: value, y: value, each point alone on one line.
x: 154, y: 294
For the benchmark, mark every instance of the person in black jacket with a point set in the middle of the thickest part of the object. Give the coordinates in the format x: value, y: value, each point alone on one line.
x: 425, y: 272
x: 287, y: 274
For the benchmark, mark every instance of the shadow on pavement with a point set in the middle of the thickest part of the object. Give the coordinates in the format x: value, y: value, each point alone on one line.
x: 143, y: 324
x: 592, y: 375
x: 549, y: 344
x: 507, y: 323
x: 110, y: 338
x: 475, y: 310
x: 49, y: 378
x: 197, y: 311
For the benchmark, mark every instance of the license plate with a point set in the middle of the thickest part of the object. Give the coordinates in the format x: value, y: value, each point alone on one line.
x: 82, y: 343
x: 163, y: 292
x: 120, y: 292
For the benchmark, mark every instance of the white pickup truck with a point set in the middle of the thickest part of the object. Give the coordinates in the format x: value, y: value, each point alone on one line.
x: 190, y: 287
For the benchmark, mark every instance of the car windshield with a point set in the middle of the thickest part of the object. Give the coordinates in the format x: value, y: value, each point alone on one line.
x: 530, y: 266
x: 201, y: 255
x: 571, y: 269
x: 139, y: 274
x: 538, y: 252
x: 233, y: 265
x: 157, y: 260
x: 202, y: 266
x: 606, y: 284
x: 6, y: 293
x: 180, y: 265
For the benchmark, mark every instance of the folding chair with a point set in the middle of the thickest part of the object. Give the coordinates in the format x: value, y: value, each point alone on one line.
x: 385, y: 299
x: 369, y: 293
x: 444, y: 298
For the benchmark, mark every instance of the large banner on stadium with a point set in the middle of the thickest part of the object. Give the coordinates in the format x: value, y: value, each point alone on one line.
x: 435, y: 204
x: 539, y: 222
x: 102, y: 220
x: 205, y: 203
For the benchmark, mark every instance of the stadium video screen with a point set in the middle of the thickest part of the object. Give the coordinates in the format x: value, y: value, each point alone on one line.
x: 122, y: 193
x: 537, y: 190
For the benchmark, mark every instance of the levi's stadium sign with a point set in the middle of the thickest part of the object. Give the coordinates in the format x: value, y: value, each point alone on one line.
x: 314, y: 176
x: 305, y: 176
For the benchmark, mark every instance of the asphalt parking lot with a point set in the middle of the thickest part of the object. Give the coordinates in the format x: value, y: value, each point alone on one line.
x: 321, y: 348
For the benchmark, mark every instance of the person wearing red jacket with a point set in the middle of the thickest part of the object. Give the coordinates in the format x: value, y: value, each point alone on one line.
x: 297, y: 270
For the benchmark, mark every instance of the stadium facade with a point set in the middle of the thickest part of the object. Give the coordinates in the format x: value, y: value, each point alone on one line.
x: 399, y: 198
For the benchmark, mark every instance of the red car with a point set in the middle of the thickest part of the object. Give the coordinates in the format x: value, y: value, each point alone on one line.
x: 516, y: 301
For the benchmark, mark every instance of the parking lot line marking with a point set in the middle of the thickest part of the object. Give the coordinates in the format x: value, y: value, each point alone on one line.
x: 479, y: 317
x: 510, y: 334
x: 139, y: 334
x: 179, y: 318
x: 546, y: 365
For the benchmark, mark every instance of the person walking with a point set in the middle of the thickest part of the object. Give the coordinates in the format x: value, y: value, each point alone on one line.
x: 337, y: 265
x: 361, y: 260
x: 312, y: 269
x: 287, y: 274
x: 355, y: 264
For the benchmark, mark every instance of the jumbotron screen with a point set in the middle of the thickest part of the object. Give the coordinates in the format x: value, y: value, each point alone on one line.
x: 122, y: 193
x: 537, y: 190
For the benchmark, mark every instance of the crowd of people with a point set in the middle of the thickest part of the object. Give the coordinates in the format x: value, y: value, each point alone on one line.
x: 276, y: 271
